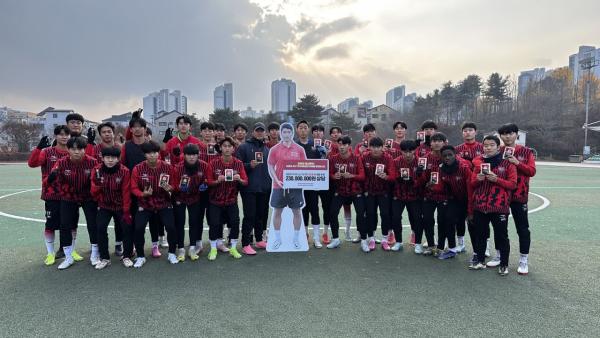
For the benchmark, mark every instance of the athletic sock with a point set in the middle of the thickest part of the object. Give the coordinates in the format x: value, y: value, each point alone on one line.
x: 74, y: 236
x: 316, y: 229
x: 278, y: 235
x: 154, y: 244
x: 213, y: 244
x: 498, y: 254
x: 49, y: 239
x: 94, y: 249
x: 296, y: 235
x: 461, y: 240
x: 234, y: 243
x: 385, y: 238
x: 326, y: 229
x: 524, y: 258
x: 68, y: 250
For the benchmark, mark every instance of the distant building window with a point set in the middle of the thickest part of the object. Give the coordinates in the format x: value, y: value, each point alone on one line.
x: 382, y: 117
x: 162, y: 124
x: 54, y: 116
x: 171, y: 123
x: 375, y: 116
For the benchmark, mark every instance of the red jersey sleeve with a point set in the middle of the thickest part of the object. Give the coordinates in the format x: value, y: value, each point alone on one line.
x: 210, y: 177
x: 134, y: 185
x: 529, y: 168
x: 36, y: 158
x: 392, y: 173
x: 243, y: 176
x: 510, y: 183
x: 126, y: 191
x: 96, y: 189
x: 361, y: 170
x: 331, y: 168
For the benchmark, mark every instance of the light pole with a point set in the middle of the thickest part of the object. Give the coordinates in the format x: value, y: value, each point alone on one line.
x: 587, y: 64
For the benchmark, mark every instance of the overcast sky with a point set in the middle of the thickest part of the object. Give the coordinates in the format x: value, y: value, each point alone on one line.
x: 101, y: 57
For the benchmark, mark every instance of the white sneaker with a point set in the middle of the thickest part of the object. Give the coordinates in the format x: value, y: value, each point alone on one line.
x: 487, y: 249
x: 364, y: 245
x: 317, y: 244
x: 335, y: 243
x: 172, y: 258
x: 397, y: 246
x: 460, y: 248
x: 276, y: 244
x: 494, y: 262
x: 103, y: 263
x: 348, y: 237
x: 523, y: 268
x: 127, y: 262
x: 66, y: 263
x: 139, y: 262
x: 419, y: 249
x: 94, y: 259
x: 162, y: 241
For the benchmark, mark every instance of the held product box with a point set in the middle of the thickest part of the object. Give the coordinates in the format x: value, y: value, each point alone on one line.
x: 328, y: 144
x: 421, y: 135
x: 435, y: 177
x: 211, y: 149
x: 379, y: 168
x: 405, y: 173
x: 508, y: 152
x: 228, y: 175
x: 342, y: 168
x: 317, y: 142
x: 389, y: 142
x: 485, y: 168
x: 422, y: 162
x: 258, y: 157
x: 163, y: 181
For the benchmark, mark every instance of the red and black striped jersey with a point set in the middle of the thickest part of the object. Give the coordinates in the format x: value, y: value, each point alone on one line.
x: 46, y: 159
x: 434, y: 193
x: 347, y: 187
x: 468, y: 151
x: 144, y: 176
x: 493, y: 197
x: 407, y: 189
x: 226, y: 192
x: 457, y: 185
x: 176, y: 142
x: 186, y: 186
x: 525, y: 170
x: 204, y: 153
x: 112, y: 189
x: 374, y: 185
x: 96, y: 151
x: 423, y: 150
x: 74, y: 178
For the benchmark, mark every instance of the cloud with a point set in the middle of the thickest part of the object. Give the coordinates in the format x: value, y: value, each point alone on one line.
x: 341, y: 50
x: 317, y: 34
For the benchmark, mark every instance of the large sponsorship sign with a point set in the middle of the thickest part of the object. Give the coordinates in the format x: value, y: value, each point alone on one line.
x: 310, y: 174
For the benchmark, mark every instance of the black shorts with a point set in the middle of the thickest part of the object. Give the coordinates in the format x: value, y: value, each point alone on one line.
x: 52, y: 215
x: 281, y: 198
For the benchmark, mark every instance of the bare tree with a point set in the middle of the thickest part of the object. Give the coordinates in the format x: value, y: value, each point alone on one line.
x: 22, y: 134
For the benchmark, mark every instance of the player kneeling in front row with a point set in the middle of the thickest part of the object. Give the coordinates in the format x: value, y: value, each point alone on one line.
x: 227, y: 173
x: 111, y: 190
x: 190, y: 183
x: 347, y: 171
x: 492, y: 181
x: 150, y: 184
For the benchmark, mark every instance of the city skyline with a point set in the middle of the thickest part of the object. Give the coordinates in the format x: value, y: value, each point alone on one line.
x: 334, y: 49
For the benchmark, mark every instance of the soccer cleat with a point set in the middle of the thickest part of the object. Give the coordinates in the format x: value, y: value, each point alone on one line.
x: 419, y: 249
x: 162, y: 241
x: 325, y: 238
x: 503, y: 270
x: 76, y: 257
x: 155, y: 252
x: 119, y: 250
x: 364, y: 245
x: 261, y: 245
x: 397, y: 246
x: 139, y: 262
x: 427, y: 251
x: 248, y: 250
x: 50, y: 259
x: 94, y: 259
x: 523, y: 268
x: 102, y: 264
x: 276, y: 244
x: 372, y: 244
x: 172, y: 258
x: 192, y: 253
x: 385, y: 245
x: 318, y: 244
x: 477, y: 266
x: 348, y: 237
x: 437, y: 252
x: 391, y: 237
x: 66, y: 263
x: 127, y: 262
x: 181, y: 254
x: 221, y: 247
x: 212, y: 254
x: 356, y: 240
x: 447, y: 255
x: 234, y: 253
x: 335, y: 243
x: 494, y: 262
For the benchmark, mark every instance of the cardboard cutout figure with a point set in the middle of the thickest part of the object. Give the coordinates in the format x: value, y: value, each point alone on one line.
x: 286, y: 229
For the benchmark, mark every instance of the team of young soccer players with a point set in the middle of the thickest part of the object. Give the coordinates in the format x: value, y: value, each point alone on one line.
x: 138, y: 182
